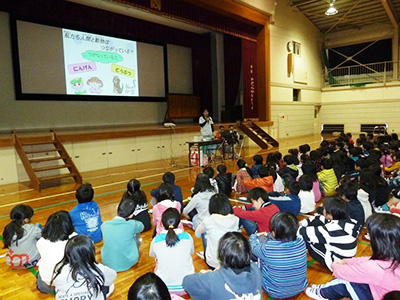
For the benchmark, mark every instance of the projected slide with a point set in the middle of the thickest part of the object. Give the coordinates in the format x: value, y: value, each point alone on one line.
x: 99, y: 65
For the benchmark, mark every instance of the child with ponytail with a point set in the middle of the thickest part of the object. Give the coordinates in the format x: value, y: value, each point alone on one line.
x: 173, y: 250
x: 243, y: 173
x: 20, y: 237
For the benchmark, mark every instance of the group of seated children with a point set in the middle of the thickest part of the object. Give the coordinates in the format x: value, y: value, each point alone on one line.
x: 273, y: 259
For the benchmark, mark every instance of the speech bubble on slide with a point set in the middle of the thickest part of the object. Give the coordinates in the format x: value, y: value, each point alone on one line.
x: 82, y: 67
x: 102, y: 56
x: 123, y: 70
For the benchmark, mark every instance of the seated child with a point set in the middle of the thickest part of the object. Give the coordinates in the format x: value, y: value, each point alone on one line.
x: 330, y: 236
x: 20, y: 237
x: 139, y: 199
x: 165, y: 200
x: 289, y: 201
x: 283, y: 257
x: 265, y: 180
x: 220, y: 221
x: 209, y: 171
x: 51, y: 247
x: 173, y: 250
x: 224, y: 180
x: 306, y: 195
x: 121, y: 237
x: 237, y: 278
x: 150, y: 286
x: 256, y: 216
x: 367, y: 278
x: 348, y: 191
x: 258, y: 162
x: 169, y: 178
x: 310, y: 170
x: 78, y: 273
x: 290, y: 171
x: 86, y: 214
x: 327, y: 177
x: 243, y: 173
x: 202, y: 193
x: 278, y: 182
x: 396, y: 162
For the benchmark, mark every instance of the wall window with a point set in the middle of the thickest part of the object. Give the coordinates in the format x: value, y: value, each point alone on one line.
x: 296, y: 95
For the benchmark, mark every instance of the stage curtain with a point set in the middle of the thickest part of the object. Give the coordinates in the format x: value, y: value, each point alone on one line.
x: 250, y: 101
x: 232, y: 65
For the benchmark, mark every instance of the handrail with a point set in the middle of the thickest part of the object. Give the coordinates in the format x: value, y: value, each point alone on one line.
x: 381, y: 72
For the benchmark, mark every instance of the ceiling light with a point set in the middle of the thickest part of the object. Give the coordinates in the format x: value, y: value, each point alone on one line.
x: 331, y: 10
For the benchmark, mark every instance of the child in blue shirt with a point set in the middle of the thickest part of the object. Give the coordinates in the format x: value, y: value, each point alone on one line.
x: 86, y: 214
x: 289, y: 201
x: 282, y: 256
x: 121, y: 238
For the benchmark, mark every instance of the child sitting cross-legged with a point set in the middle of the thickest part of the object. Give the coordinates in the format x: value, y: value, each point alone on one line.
x: 121, y: 237
x: 256, y: 216
x: 51, y: 246
x: 265, y: 180
x: 282, y: 257
x: 237, y: 278
x: 220, y: 221
x: 173, y: 250
x: 367, y: 278
x: 79, y: 276
x: 20, y: 237
x: 86, y: 215
x: 330, y: 236
x: 289, y: 201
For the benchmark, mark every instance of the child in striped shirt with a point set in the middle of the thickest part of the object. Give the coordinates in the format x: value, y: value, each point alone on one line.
x: 331, y: 236
x: 282, y: 256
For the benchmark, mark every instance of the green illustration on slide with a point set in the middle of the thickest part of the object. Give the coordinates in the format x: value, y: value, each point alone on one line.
x: 78, y: 86
x: 102, y: 56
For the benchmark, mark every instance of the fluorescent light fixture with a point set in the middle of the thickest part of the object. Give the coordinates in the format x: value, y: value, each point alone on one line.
x: 331, y: 10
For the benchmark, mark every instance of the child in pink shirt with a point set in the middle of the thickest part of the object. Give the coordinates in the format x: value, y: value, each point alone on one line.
x: 165, y: 200
x: 367, y: 278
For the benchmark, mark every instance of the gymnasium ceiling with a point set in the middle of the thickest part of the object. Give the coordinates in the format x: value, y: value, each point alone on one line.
x: 353, y: 14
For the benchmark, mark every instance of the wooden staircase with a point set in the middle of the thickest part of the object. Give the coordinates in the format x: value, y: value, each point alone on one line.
x: 39, y: 165
x: 257, y: 134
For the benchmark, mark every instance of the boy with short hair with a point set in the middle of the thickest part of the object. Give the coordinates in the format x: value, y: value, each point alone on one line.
x: 86, y: 214
x: 331, y: 236
x: 256, y: 216
x: 290, y: 170
x: 282, y: 257
x: 224, y: 180
x: 289, y: 201
x: 121, y: 238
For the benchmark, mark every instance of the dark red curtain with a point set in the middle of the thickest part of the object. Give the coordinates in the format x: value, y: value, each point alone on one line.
x: 232, y: 64
x: 250, y: 101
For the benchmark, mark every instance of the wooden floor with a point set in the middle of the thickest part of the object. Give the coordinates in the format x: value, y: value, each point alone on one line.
x: 109, y: 186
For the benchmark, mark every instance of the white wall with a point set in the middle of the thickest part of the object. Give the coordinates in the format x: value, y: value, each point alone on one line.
x: 17, y: 115
x: 298, y: 117
x: 369, y: 105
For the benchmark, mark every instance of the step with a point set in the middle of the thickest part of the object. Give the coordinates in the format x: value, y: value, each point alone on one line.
x: 55, y: 177
x: 38, y: 160
x: 49, y: 168
x: 42, y: 151
x: 50, y: 142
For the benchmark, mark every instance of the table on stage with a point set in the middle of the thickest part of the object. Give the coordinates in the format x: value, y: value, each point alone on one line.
x: 200, y: 144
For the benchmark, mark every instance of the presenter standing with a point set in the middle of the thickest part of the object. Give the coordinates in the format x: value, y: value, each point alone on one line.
x: 206, y: 123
